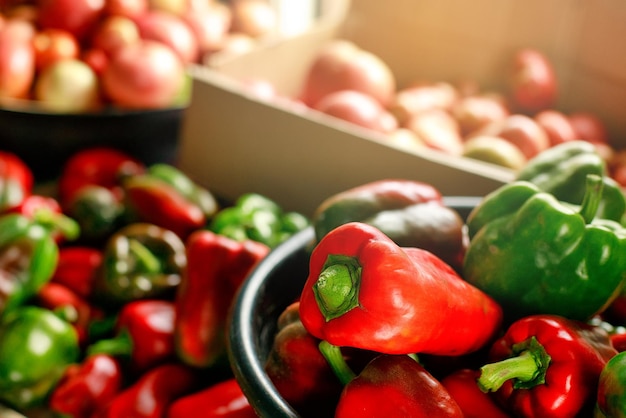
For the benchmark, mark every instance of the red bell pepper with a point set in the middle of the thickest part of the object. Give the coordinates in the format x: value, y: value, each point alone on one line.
x: 167, y: 197
x: 220, y: 400
x: 216, y: 268
x: 77, y: 268
x: 70, y: 306
x: 151, y: 395
x: 395, y: 386
x: 144, y: 335
x: 47, y: 211
x: 16, y: 180
x: 365, y: 291
x: 547, y: 366
x: 87, y: 387
x: 463, y: 387
x: 100, y: 166
x: 298, y: 369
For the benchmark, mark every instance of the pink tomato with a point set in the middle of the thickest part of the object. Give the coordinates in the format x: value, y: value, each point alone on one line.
x: 146, y: 74
x: 114, y: 32
x: 533, y: 83
x: 589, y: 127
x: 170, y: 30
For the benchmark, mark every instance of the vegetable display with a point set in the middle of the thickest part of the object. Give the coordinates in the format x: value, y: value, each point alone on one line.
x: 115, y: 293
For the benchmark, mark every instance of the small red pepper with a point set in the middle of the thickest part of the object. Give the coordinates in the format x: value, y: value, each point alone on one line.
x: 99, y: 166
x: 70, y: 306
x: 87, y: 387
x: 151, y: 395
x: 220, y: 400
x: 547, y: 366
x: 463, y: 387
x: 216, y: 267
x: 298, y: 369
x: 77, y: 268
x: 144, y: 335
x: 16, y: 180
x: 395, y: 386
x: 365, y: 291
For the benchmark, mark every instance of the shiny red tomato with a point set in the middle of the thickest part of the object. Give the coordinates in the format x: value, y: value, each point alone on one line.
x: 146, y: 74
x: 534, y: 84
x: 17, y: 60
x: 76, y: 16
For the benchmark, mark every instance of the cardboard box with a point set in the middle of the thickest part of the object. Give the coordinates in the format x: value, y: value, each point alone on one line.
x: 234, y: 143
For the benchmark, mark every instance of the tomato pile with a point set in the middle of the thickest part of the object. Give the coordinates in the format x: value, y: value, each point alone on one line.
x: 116, y: 287
x: 81, y: 55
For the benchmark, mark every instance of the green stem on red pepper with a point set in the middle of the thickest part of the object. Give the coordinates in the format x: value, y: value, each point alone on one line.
x: 335, y: 359
x: 528, y: 367
x: 337, y: 290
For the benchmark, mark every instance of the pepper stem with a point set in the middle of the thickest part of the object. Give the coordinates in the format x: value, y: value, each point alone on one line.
x: 528, y: 367
x: 337, y: 287
x: 145, y: 258
x: 120, y: 345
x: 53, y: 221
x: 337, y: 363
x: 593, y: 197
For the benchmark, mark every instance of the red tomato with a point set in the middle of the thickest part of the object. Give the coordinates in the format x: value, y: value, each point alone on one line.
x: 557, y: 126
x: 113, y: 32
x: 172, y: 31
x: 146, y: 74
x: 17, y: 60
x: 54, y: 44
x: 76, y: 16
x: 96, y: 58
x: 589, y: 127
x: 533, y: 81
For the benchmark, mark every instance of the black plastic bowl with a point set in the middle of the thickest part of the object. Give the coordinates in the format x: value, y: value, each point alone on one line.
x: 46, y: 140
x: 271, y: 287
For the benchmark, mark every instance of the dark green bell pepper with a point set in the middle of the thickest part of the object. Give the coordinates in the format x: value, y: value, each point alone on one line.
x: 259, y: 218
x: 140, y: 261
x: 36, y: 346
x: 28, y: 258
x: 411, y: 213
x: 561, y: 171
x: 534, y: 254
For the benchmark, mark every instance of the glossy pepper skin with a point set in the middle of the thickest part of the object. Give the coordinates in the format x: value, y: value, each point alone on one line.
x: 611, y: 398
x: 167, y: 197
x: 220, y: 400
x: 77, y: 267
x: 96, y: 166
x: 535, y: 254
x: 298, y: 369
x: 395, y: 386
x: 36, y: 347
x: 216, y: 267
x: 152, y: 393
x: 411, y: 213
x: 547, y: 366
x: 16, y: 180
x: 28, y: 258
x: 365, y: 291
x: 144, y: 335
x: 87, y: 387
x: 140, y: 261
x: 462, y: 385
x: 258, y: 218
x: 562, y: 170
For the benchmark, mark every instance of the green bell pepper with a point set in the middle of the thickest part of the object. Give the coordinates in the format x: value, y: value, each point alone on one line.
x: 562, y: 169
x: 611, y: 400
x: 259, y: 218
x: 534, y: 254
x: 140, y: 261
x: 36, y: 346
x: 28, y: 258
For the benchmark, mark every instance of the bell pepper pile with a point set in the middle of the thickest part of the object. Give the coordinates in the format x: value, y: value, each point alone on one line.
x: 529, y: 321
x: 115, y: 289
